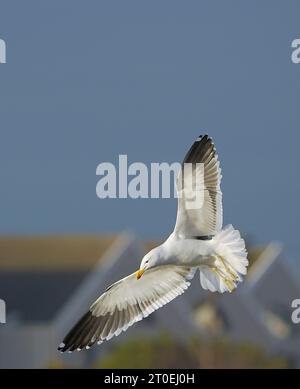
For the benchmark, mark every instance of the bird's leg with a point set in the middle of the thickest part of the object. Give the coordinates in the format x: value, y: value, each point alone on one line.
x: 228, y: 282
x: 230, y: 271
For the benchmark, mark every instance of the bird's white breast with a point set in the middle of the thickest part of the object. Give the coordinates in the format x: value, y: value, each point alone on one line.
x: 190, y: 252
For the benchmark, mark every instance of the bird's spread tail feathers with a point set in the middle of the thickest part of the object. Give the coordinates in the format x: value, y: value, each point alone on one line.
x: 228, y: 264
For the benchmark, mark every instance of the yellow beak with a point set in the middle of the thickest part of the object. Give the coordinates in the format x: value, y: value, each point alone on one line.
x: 139, y: 273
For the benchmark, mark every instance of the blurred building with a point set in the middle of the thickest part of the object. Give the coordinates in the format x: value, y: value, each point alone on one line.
x: 49, y: 282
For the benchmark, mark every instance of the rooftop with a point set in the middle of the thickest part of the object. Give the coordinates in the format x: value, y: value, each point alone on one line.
x: 62, y: 252
x: 39, y: 273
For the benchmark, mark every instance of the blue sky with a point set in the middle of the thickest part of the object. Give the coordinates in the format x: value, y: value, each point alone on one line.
x: 87, y: 81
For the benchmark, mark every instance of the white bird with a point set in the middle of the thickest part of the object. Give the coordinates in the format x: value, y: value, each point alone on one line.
x: 198, y: 243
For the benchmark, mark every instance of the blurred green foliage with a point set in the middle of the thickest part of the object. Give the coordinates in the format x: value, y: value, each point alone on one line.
x: 161, y: 351
x: 164, y: 351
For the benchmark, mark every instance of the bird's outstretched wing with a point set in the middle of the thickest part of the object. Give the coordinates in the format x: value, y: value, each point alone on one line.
x: 199, y: 211
x: 126, y: 302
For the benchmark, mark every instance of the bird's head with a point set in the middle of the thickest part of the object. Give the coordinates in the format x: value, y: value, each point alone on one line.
x: 150, y: 260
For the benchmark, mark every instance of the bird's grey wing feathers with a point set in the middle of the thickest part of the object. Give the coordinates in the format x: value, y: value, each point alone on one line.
x: 126, y: 302
x: 199, y: 195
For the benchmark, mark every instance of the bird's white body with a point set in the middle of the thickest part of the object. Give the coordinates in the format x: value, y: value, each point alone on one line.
x: 183, y: 251
x: 198, y: 243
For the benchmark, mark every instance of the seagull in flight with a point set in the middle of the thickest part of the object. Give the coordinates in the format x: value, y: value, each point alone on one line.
x: 198, y: 245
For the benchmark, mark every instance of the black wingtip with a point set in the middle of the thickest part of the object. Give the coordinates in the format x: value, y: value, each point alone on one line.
x: 204, y: 137
x: 202, y: 148
x: 79, y: 336
x: 61, y: 348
